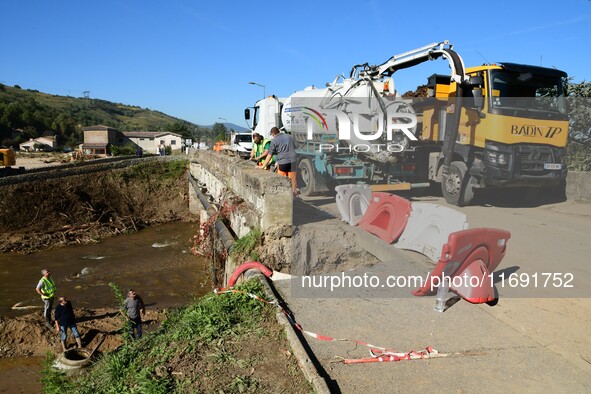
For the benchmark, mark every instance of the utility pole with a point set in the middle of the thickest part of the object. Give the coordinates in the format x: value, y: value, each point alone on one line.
x: 86, y: 94
x: 262, y: 86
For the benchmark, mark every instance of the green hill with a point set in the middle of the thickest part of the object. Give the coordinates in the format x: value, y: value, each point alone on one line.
x: 37, y: 114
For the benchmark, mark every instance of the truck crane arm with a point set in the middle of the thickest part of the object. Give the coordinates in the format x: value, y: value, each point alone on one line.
x: 412, y: 58
x: 417, y: 56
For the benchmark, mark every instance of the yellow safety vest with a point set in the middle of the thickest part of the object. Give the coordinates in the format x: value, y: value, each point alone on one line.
x: 260, y: 148
x: 48, y: 288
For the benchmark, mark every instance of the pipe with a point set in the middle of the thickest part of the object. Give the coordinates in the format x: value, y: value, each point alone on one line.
x: 222, y: 230
x: 245, y: 267
x: 197, y: 189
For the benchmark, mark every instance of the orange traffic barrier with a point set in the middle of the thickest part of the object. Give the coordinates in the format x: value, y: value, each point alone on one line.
x: 218, y: 146
x: 386, y: 216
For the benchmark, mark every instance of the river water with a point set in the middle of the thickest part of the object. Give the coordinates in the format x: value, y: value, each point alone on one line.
x: 156, y: 262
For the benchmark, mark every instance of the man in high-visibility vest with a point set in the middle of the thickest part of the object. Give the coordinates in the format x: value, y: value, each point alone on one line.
x: 46, y: 289
x: 260, y: 149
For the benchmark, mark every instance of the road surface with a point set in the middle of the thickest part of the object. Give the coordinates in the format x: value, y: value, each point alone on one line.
x: 520, y: 344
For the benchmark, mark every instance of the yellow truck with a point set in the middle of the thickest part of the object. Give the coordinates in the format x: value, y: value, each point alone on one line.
x: 7, y: 160
x: 512, y: 131
x: 7, y: 157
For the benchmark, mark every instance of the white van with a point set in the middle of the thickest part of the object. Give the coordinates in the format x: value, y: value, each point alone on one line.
x: 242, y: 144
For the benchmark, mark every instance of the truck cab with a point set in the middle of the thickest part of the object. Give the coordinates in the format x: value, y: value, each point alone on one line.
x: 241, y: 144
x: 265, y: 115
x: 512, y: 132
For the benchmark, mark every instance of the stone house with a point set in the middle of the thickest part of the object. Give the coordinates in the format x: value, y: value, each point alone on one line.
x: 98, y: 139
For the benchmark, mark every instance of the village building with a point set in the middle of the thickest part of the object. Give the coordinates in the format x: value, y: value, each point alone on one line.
x: 149, y: 141
x: 99, y: 139
x: 45, y: 144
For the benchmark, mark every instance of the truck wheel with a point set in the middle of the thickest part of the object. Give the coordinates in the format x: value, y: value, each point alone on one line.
x: 556, y: 193
x: 306, y: 181
x: 456, y: 186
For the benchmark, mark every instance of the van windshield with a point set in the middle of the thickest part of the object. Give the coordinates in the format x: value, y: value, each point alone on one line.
x: 243, y: 138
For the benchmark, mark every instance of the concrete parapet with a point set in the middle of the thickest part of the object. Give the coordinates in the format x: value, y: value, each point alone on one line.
x: 266, y: 196
x: 578, y: 186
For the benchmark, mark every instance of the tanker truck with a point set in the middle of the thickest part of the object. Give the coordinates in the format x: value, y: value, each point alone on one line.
x: 492, y: 126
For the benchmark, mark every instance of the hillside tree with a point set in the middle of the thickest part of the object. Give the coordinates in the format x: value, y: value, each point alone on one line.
x: 220, y: 131
x: 579, y: 108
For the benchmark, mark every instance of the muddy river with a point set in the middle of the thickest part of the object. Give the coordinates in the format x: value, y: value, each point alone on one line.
x: 156, y: 262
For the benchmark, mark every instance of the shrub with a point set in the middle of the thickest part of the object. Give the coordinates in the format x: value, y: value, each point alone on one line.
x: 126, y: 150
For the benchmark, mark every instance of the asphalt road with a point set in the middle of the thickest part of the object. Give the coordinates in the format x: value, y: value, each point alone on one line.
x: 534, y: 339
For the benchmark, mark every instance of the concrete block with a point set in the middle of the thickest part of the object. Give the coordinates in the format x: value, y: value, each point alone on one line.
x: 578, y: 186
x: 352, y: 202
x: 429, y: 227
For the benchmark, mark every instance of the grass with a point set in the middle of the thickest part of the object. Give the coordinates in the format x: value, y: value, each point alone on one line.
x: 154, y: 173
x: 201, y: 337
x: 245, y: 247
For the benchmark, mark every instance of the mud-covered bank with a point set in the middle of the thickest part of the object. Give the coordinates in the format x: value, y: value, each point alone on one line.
x: 86, y: 208
x: 28, y: 336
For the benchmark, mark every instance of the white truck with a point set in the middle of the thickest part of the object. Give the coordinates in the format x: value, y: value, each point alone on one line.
x: 340, y: 129
x: 491, y: 126
x: 241, y: 144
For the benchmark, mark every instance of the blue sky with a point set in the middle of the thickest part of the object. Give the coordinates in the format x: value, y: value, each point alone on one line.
x: 194, y: 59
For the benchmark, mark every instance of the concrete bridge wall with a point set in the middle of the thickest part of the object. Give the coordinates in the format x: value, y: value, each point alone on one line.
x: 258, y: 199
x: 578, y: 186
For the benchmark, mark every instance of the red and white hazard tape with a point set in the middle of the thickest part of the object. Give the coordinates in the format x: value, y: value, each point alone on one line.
x: 378, y: 354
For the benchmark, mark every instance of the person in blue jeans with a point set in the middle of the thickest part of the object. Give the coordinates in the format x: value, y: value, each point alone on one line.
x: 134, y: 307
x: 64, y: 319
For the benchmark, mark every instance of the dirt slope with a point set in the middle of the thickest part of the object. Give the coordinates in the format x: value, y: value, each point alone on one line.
x: 28, y: 336
x: 85, y: 208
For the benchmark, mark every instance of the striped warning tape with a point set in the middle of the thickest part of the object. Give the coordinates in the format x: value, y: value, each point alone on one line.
x: 378, y: 354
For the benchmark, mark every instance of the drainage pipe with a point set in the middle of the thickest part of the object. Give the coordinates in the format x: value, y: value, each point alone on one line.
x: 225, y: 235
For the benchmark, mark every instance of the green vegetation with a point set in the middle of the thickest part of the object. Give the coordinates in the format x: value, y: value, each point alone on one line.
x: 125, y: 150
x: 578, y: 156
x: 38, y: 114
x: 245, y: 246
x: 192, y: 351
x: 53, y: 381
x: 154, y: 172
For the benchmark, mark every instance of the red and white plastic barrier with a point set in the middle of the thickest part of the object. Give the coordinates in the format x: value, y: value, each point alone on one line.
x: 352, y: 202
x: 429, y: 227
x: 471, y: 256
x: 386, y: 216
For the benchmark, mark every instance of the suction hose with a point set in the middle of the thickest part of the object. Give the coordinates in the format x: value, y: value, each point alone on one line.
x: 247, y: 266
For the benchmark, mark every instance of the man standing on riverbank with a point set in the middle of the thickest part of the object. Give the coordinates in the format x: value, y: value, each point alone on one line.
x: 46, y: 289
x: 134, y: 305
x: 64, y: 319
